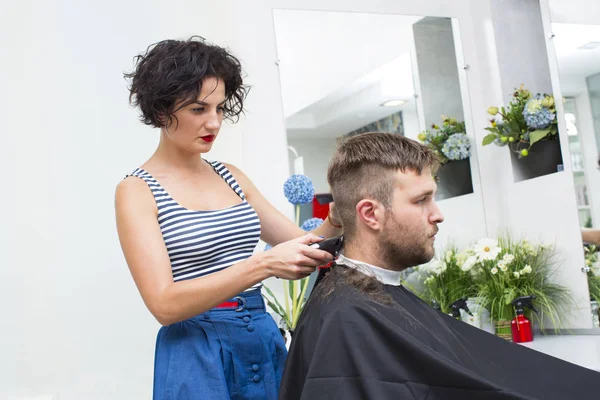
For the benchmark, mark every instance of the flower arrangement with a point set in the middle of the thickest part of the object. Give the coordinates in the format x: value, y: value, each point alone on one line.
x: 299, y: 190
x: 527, y: 120
x: 446, y: 280
x: 449, y: 141
x: 496, y: 272
x: 505, y: 269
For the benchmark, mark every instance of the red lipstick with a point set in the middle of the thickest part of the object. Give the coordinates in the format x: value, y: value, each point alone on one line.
x: 208, y: 138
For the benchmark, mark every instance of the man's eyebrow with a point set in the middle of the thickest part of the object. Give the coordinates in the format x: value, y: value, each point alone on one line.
x: 429, y: 192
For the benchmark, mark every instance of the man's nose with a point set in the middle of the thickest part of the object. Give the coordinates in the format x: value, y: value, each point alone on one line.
x: 436, y: 216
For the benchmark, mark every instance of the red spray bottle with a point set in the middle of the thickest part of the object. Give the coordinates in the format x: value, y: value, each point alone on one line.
x: 520, y: 325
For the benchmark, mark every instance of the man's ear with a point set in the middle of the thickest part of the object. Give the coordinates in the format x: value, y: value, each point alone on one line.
x: 371, y: 213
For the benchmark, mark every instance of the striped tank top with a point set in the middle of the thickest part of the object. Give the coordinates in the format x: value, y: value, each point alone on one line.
x: 200, y: 243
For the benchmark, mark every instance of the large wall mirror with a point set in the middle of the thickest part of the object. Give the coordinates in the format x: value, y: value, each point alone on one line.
x: 577, y: 49
x: 356, y: 72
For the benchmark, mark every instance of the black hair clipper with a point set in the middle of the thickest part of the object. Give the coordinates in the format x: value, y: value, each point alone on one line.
x: 332, y: 245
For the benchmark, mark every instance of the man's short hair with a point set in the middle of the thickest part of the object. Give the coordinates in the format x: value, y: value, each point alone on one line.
x: 364, y: 165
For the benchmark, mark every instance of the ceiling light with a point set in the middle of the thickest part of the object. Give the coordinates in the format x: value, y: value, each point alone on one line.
x: 393, y: 103
x: 590, y: 46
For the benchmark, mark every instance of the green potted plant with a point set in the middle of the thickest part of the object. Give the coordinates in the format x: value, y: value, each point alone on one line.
x: 448, y: 141
x: 505, y: 269
x: 527, y: 121
x: 452, y: 146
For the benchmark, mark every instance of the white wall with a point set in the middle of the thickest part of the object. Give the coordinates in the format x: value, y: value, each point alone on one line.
x: 574, y: 11
x: 316, y: 154
x: 73, y: 323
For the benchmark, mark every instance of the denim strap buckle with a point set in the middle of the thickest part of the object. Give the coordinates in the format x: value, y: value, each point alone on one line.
x: 241, y: 303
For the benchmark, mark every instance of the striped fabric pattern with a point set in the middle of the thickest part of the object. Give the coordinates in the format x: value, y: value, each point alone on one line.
x: 203, y: 242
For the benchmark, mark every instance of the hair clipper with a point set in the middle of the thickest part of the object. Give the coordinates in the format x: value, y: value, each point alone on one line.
x: 332, y: 245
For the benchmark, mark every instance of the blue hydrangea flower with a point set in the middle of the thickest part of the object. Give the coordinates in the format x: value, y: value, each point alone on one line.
x: 536, y: 115
x: 299, y: 189
x: 457, y: 147
x: 311, y: 224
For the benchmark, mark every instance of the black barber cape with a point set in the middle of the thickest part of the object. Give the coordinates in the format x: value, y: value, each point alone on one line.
x: 350, y: 347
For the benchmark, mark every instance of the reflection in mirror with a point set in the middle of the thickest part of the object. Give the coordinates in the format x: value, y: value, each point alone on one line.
x: 352, y: 73
x: 578, y: 55
x: 349, y: 73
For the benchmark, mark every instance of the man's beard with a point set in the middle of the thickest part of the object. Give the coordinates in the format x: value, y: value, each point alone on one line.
x: 401, y: 249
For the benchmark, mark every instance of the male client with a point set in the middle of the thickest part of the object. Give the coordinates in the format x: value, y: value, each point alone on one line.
x: 363, y: 336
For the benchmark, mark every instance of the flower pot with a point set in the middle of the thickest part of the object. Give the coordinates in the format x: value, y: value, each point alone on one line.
x: 544, y: 158
x: 502, y: 329
x: 454, y: 179
x: 502, y: 322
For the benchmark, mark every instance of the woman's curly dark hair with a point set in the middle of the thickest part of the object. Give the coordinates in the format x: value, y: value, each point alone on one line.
x: 170, y: 74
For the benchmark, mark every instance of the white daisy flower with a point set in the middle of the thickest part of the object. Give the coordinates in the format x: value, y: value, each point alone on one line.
x: 487, y: 249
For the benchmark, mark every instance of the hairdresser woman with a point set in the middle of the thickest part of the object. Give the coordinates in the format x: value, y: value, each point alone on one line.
x: 188, y: 227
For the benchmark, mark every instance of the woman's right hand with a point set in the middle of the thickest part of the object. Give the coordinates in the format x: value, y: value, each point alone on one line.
x: 295, y: 259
